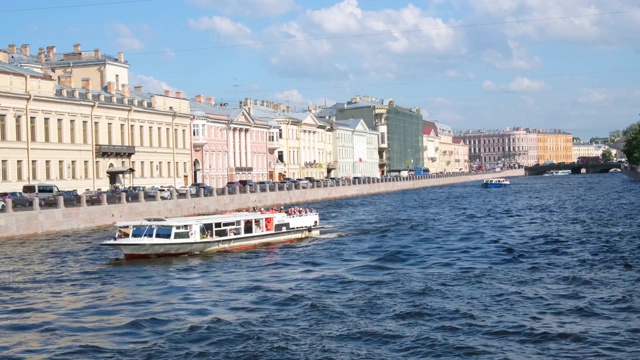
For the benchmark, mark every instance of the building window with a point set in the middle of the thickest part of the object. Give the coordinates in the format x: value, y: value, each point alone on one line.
x: 96, y: 132
x: 3, y: 128
x: 159, y: 136
x: 150, y: 136
x: 122, y: 135
x: 85, y: 132
x: 184, y: 139
x: 47, y: 169
x: 131, y: 135
x: 61, y: 169
x: 60, y: 130
x: 4, y: 170
x: 18, y: 128
x: 72, y: 131
x: 86, y: 169
x: 32, y: 126
x: 168, y: 134
x: 46, y: 130
x: 151, y: 169
x: 74, y: 174
x: 19, y: 170
x: 110, y: 133
x: 160, y: 167
x: 141, y: 169
x: 34, y: 169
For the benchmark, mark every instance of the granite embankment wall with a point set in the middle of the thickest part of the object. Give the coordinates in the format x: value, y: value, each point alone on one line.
x: 21, y: 224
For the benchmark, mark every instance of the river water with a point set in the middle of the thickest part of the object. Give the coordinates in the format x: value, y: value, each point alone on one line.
x: 547, y: 268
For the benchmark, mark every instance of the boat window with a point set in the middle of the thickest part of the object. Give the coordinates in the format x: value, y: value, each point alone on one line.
x: 141, y: 231
x: 164, y: 232
x: 181, y: 235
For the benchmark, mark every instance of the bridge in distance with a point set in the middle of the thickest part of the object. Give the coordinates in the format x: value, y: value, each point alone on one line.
x: 591, y: 168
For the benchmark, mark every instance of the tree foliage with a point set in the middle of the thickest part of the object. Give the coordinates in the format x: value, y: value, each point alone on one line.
x: 630, y: 129
x: 631, y: 146
x: 607, y: 155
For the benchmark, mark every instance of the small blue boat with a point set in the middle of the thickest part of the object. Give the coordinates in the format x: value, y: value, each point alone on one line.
x: 495, y: 183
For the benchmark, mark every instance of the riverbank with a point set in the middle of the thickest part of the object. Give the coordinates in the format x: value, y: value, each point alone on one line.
x: 632, y: 173
x: 38, y: 222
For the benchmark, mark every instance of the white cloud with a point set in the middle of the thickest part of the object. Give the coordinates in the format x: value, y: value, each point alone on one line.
x: 169, y: 54
x: 249, y: 8
x: 293, y: 99
x: 126, y: 40
x: 149, y: 83
x: 520, y: 58
x: 519, y: 84
x: 225, y: 28
x: 451, y: 73
x: 345, y: 40
x: 594, y: 97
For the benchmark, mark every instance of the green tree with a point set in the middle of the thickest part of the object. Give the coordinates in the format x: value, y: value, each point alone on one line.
x: 607, y: 156
x: 631, y: 148
x: 615, y: 135
x: 630, y: 129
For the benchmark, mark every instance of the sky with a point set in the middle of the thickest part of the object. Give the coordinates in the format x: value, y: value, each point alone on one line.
x: 471, y: 64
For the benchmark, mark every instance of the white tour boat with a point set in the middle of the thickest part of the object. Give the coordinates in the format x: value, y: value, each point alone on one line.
x: 557, y: 172
x: 156, y: 237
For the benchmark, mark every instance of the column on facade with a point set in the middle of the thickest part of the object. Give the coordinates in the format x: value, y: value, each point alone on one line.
x: 243, y: 147
x: 230, y: 153
x: 249, y: 155
x: 236, y: 148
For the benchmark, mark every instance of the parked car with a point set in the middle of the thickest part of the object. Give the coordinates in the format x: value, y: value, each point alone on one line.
x: 17, y: 198
x: 95, y: 197
x: 312, y: 181
x: 165, y: 193
x: 284, y: 185
x: 234, y: 187
x: 150, y: 191
x: 208, y: 190
x: 248, y: 183
x: 302, y: 184
x: 70, y: 198
x: 132, y: 193
x: 264, y: 185
x: 39, y: 191
x: 3, y: 206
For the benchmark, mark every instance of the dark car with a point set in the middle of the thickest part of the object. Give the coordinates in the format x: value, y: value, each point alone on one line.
x: 264, y: 185
x: 248, y: 183
x: 95, y: 197
x: 17, y: 198
x: 132, y: 194
x: 3, y: 207
x: 208, y: 190
x: 234, y: 187
x: 70, y: 198
x: 285, y: 185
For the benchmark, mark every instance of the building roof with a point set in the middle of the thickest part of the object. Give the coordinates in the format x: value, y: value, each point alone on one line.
x: 10, y: 68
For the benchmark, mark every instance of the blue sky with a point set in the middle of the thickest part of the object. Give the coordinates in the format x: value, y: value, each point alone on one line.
x: 472, y: 64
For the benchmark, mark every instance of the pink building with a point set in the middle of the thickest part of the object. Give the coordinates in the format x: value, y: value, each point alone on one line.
x: 228, y: 144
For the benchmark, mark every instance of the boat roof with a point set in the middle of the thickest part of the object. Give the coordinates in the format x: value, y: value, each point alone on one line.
x: 187, y: 220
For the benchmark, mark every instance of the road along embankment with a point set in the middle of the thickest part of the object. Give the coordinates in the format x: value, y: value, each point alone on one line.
x: 22, y: 224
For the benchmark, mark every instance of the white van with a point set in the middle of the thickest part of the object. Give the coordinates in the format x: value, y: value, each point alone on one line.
x: 39, y: 191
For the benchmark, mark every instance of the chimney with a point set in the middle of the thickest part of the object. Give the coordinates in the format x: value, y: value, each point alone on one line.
x: 86, y: 83
x: 199, y: 98
x: 139, y: 89
x: 167, y: 92
x: 121, y: 57
x: 65, y: 80
x: 51, y: 52
x: 12, y: 48
x: 126, y: 90
x: 97, y: 54
x: 41, y: 55
x: 180, y: 94
x: 4, y: 57
x: 24, y: 49
x: 111, y: 87
x: 76, y: 48
x: 210, y: 100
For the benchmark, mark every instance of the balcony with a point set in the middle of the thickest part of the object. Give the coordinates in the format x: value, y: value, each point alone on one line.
x: 115, y: 150
x: 198, y: 142
x: 273, y: 145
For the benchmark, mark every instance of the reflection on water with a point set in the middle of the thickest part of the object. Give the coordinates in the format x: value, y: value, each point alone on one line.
x: 547, y: 268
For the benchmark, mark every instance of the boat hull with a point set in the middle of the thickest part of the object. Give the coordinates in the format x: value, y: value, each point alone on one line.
x: 494, y: 185
x: 140, y: 250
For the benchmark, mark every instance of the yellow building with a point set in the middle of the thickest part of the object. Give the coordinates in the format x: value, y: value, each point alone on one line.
x: 78, y: 138
x: 554, y: 145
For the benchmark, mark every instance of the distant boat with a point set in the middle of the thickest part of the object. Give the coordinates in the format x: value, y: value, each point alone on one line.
x: 557, y: 172
x: 495, y: 183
